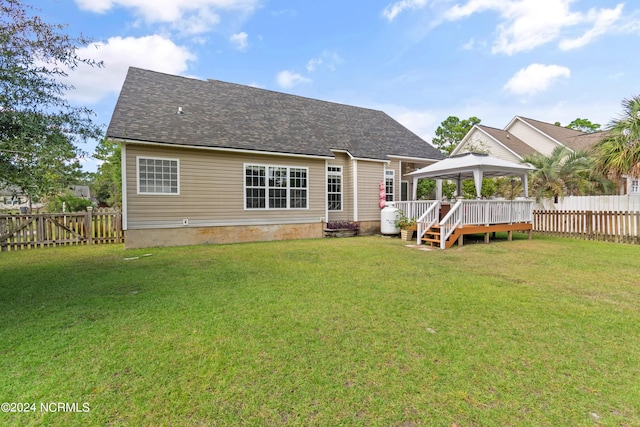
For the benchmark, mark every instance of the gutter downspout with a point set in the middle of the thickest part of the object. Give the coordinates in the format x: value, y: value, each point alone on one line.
x: 355, y: 189
x: 326, y: 191
x: 123, y: 168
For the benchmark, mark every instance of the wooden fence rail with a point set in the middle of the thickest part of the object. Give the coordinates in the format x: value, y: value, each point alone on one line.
x: 620, y: 227
x: 60, y: 229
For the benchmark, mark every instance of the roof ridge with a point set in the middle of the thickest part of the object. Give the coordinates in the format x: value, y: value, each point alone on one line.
x: 217, y: 114
x: 249, y: 87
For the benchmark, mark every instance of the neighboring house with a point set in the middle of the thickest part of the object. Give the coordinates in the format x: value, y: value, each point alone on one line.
x: 524, y: 136
x: 215, y: 162
x: 11, y: 196
x: 80, y: 191
x: 12, y: 199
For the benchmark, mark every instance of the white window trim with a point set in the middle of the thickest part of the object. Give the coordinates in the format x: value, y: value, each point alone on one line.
x: 392, y: 176
x: 334, y: 173
x: 177, y: 193
x: 266, y: 202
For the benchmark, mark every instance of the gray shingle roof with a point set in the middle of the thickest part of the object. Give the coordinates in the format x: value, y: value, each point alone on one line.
x: 227, y: 115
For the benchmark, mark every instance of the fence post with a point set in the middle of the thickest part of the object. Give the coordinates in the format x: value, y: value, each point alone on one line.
x: 4, y: 227
x: 88, y: 225
x: 117, y: 217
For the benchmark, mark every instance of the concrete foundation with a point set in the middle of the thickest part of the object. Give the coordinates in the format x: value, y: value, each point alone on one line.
x: 183, y: 236
x: 154, y: 237
x: 369, y: 228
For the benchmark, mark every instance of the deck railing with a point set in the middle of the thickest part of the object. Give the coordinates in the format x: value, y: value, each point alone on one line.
x: 428, y: 219
x: 485, y: 212
x: 415, y: 209
x: 450, y: 222
x: 466, y: 212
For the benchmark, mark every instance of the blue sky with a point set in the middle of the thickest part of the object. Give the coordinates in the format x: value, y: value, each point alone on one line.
x: 420, y: 61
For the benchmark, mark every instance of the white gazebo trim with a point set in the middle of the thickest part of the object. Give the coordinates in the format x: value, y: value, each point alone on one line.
x: 471, y: 166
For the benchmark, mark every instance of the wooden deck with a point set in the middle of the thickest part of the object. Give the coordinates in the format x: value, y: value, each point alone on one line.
x: 442, y: 225
x: 433, y: 236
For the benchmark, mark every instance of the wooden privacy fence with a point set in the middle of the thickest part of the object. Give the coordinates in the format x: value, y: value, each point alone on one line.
x: 60, y: 229
x: 620, y: 227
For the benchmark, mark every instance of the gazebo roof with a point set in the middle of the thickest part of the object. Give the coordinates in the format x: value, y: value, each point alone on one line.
x: 464, y: 166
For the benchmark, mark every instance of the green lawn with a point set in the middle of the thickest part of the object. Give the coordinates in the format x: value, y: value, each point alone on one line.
x: 362, y: 331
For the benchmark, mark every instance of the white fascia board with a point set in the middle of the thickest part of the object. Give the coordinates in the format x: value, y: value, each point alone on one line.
x: 479, y: 129
x: 413, y: 159
x: 502, y: 145
x: 364, y: 159
x: 515, y: 118
x: 229, y: 150
x: 464, y: 140
x: 360, y: 158
x: 342, y: 152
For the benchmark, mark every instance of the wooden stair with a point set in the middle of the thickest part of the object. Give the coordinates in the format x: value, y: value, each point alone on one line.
x: 433, y: 237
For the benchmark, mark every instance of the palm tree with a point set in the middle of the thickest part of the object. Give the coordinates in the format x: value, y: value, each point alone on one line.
x: 619, y: 153
x: 562, y: 173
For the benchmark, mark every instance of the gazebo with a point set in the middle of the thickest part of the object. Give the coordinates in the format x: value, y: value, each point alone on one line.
x: 471, y: 166
x: 440, y: 224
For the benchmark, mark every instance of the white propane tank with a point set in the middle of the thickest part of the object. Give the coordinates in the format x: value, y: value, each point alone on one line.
x: 388, y: 217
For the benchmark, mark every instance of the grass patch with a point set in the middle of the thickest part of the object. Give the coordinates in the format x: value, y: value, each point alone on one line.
x: 361, y: 331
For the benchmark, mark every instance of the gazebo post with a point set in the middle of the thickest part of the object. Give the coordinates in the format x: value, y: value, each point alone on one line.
x: 477, y: 178
x: 438, y: 189
x: 414, y: 190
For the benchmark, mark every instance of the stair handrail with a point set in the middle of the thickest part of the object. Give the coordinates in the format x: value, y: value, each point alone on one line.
x: 450, y: 222
x: 427, y: 220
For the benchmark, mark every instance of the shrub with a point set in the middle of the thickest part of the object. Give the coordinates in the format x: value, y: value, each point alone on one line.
x: 343, y: 225
x: 71, y: 203
x: 405, y: 222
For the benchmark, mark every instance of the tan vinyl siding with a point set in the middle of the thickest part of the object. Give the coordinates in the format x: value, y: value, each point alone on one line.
x: 535, y: 139
x: 343, y: 160
x: 212, y: 190
x: 370, y: 175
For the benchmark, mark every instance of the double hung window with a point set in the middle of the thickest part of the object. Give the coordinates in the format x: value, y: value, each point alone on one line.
x: 275, y: 187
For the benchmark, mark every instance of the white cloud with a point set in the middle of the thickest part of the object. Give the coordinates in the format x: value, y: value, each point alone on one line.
x: 288, y: 79
x: 189, y: 16
x: 313, y: 64
x: 329, y: 59
x: 391, y: 11
x: 603, y: 19
x: 469, y: 45
x: 199, y: 22
x: 527, y: 24
x: 151, y: 52
x: 536, y: 78
x: 240, y: 40
x: 422, y: 123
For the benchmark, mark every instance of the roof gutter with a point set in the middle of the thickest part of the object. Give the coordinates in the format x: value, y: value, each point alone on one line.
x: 224, y: 149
